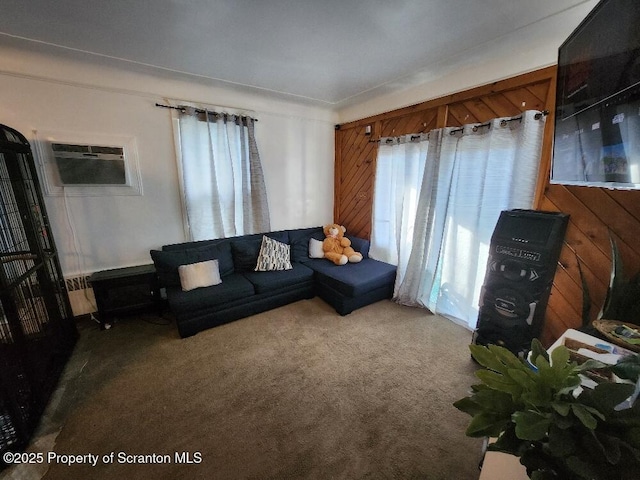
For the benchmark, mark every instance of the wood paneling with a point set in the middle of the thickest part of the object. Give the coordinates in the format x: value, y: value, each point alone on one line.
x: 414, y: 123
x: 354, y: 175
x: 356, y: 151
x: 596, y: 214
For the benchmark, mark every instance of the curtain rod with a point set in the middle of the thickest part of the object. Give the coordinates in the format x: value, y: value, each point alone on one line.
x: 199, y: 110
x: 503, y: 122
x: 537, y: 116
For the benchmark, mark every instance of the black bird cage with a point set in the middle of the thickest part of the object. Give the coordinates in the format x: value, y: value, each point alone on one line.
x: 37, y: 328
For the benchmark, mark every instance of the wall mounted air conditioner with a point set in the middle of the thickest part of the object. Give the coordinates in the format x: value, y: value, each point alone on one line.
x: 88, y: 164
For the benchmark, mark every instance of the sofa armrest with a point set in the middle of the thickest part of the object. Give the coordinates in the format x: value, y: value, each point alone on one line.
x: 360, y: 245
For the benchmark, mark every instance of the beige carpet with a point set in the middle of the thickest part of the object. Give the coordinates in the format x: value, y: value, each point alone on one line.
x: 297, y: 392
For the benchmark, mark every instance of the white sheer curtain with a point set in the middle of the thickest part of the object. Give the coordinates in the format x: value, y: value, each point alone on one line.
x: 471, y: 174
x: 221, y: 175
x: 399, y: 170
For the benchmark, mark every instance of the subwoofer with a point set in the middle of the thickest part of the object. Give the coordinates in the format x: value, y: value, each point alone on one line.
x: 524, y: 252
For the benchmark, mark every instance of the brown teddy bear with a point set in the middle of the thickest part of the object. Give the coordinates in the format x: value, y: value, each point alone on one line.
x: 337, y: 248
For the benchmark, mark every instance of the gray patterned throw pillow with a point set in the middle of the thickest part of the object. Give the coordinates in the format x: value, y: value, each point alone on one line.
x: 274, y: 255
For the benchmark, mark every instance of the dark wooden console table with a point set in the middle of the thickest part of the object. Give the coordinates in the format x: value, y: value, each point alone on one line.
x: 125, y: 291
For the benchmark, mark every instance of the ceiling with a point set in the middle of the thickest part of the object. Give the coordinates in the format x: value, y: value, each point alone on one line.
x: 330, y: 52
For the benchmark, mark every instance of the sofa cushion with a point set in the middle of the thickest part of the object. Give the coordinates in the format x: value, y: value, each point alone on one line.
x: 360, y: 245
x: 354, y: 279
x: 245, y: 254
x: 299, y: 241
x: 168, y: 261
x: 277, y: 279
x: 233, y: 287
x: 274, y: 255
x: 245, y: 250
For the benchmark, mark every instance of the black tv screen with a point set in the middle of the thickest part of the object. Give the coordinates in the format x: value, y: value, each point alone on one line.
x: 597, y: 122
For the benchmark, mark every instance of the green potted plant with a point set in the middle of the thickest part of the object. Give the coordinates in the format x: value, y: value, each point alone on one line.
x: 537, y: 415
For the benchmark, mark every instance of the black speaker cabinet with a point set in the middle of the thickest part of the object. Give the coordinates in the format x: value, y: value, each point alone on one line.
x: 523, y: 255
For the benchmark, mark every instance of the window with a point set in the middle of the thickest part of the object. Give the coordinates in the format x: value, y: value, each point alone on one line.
x: 221, y: 175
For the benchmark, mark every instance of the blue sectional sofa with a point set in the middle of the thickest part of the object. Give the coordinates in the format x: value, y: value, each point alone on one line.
x: 243, y: 291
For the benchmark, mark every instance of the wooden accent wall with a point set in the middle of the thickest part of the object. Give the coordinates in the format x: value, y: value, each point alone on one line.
x: 595, y: 212
x: 356, y: 151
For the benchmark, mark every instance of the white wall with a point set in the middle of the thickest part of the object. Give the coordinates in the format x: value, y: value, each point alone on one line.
x: 44, y: 89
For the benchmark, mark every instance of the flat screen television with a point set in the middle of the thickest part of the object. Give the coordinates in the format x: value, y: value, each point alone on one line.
x: 597, y: 121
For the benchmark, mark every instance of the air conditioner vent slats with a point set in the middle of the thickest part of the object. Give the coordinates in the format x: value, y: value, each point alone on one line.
x: 65, y: 147
x: 88, y: 165
x: 63, y: 150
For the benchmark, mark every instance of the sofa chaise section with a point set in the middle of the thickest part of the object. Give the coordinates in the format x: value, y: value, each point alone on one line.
x: 354, y: 285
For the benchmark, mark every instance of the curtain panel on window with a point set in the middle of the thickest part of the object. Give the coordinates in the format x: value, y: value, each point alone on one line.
x: 221, y: 176
x: 470, y: 175
x: 399, y: 171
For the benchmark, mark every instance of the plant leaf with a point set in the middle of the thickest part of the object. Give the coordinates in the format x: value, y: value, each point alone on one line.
x: 563, y: 408
x: 616, y: 283
x: 499, y: 382
x: 628, y: 367
x: 479, y: 386
x: 561, y: 442
x: 560, y: 374
x: 486, y: 425
x: 560, y: 356
x: 522, y: 378
x: 570, y: 384
x: 531, y: 425
x: 486, y: 358
x: 538, y: 350
x: 543, y: 465
x: 582, y: 468
x: 584, y: 415
x: 506, y: 357
x: 633, y: 438
x: 606, y: 396
x: 542, y: 362
x: 468, y: 406
x: 565, y: 422
x: 539, y: 396
x: 611, y: 448
x: 592, y: 364
x: 586, y: 296
x: 595, y: 412
x: 507, y: 442
x: 495, y: 401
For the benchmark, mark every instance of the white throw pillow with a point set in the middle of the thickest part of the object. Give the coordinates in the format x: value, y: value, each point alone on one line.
x: 201, y: 274
x: 274, y: 255
x: 315, y: 248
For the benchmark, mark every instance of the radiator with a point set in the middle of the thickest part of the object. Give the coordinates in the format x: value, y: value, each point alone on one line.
x: 81, y: 296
